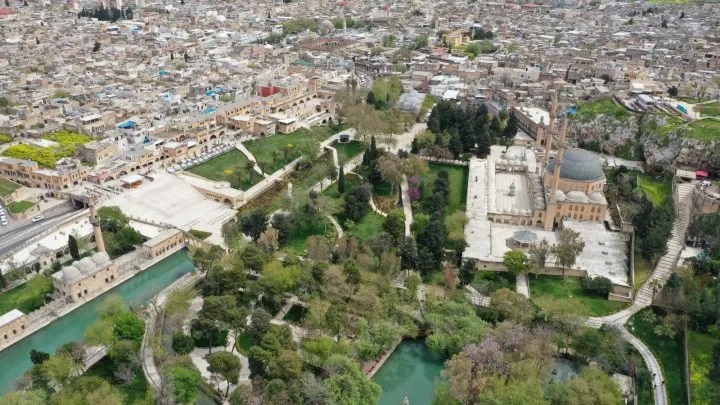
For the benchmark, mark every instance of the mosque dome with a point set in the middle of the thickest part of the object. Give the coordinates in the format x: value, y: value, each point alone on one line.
x: 100, y: 258
x: 577, y: 196
x: 70, y: 273
x: 579, y: 165
x: 597, y: 198
x: 85, y: 265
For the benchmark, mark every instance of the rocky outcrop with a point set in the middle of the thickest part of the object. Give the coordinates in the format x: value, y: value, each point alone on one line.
x: 654, y: 138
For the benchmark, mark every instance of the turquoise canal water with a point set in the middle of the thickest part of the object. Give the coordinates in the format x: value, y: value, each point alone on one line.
x: 15, y: 360
x: 411, y: 371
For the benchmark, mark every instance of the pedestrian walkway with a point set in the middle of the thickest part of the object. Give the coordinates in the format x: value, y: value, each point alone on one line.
x: 337, y: 226
x: 239, y: 145
x: 475, y: 297
x: 521, y: 285
x: 407, y: 205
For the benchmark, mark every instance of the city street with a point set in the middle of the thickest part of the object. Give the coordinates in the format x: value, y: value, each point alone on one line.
x: 19, y: 232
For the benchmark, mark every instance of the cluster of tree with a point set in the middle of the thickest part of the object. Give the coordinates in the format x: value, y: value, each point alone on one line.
x: 340, y: 23
x: 430, y: 230
x: 477, y: 33
x: 299, y: 25
x: 348, y: 291
x: 385, y: 92
x: 460, y: 129
x: 111, y: 14
x: 477, y: 48
x: 59, y: 379
x: 506, y: 362
x: 652, y: 223
x: 119, y: 236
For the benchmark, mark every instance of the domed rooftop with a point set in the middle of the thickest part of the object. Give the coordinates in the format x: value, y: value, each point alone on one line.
x: 85, y: 265
x: 579, y: 165
x: 559, y: 195
x: 70, y: 273
x: 577, y: 196
x: 100, y: 258
x: 597, y: 198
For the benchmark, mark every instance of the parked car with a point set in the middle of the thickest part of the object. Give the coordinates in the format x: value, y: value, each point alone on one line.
x: 37, y: 218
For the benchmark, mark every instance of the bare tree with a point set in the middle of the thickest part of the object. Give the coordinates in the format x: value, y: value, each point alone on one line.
x: 567, y: 250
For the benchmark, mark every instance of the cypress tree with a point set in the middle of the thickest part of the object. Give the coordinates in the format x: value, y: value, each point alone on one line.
x: 341, y: 180
x: 73, y: 246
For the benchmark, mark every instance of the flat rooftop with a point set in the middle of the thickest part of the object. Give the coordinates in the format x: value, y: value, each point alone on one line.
x: 512, y: 203
x: 605, y: 253
x: 169, y: 199
x: 10, y: 316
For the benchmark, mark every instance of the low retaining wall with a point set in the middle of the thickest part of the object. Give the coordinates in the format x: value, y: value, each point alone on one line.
x: 379, y: 363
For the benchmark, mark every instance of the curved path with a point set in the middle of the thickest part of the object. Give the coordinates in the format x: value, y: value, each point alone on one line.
x: 644, y: 296
x: 152, y: 374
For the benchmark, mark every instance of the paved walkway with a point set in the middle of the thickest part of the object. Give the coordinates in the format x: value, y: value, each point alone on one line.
x: 404, y: 141
x: 337, y: 226
x: 239, y: 145
x: 521, y: 285
x: 199, y: 354
x: 407, y: 205
x: 475, y: 297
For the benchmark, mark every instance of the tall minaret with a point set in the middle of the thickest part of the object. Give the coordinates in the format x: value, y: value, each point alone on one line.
x: 559, y: 157
x: 95, y: 222
x: 548, y: 132
x: 552, y: 204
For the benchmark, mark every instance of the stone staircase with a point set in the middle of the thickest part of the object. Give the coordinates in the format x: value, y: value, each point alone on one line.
x: 664, y: 267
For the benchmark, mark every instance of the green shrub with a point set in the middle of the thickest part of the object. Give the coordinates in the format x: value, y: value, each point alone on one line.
x: 182, y: 343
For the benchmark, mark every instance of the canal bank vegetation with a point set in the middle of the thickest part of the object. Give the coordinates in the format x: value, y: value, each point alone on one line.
x: 119, y: 236
x: 62, y: 378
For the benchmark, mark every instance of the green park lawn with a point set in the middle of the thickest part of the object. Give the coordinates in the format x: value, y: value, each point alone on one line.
x: 299, y: 235
x: 364, y: 229
x: 7, y: 187
x: 706, y: 129
x: 654, y: 189
x: 669, y: 353
x: 602, y: 107
x: 26, y: 297
x: 458, y: 184
x: 231, y: 167
x: 700, y: 350
x: 274, y: 152
x: 709, y: 109
x: 18, y: 207
x: 570, y: 287
x: 244, y: 342
x: 348, y: 150
x: 369, y: 226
